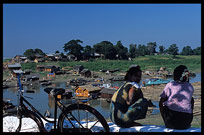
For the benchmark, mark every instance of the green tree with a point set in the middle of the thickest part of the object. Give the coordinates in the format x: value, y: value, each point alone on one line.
x: 39, y: 51
x: 62, y: 54
x: 30, y: 54
x: 121, y: 50
x: 57, y: 52
x: 173, y: 50
x: 187, y: 50
x: 132, y: 50
x: 106, y: 48
x: 161, y: 49
x: 142, y: 50
x: 74, y: 47
x: 151, y: 47
x: 197, y: 51
x: 88, y: 49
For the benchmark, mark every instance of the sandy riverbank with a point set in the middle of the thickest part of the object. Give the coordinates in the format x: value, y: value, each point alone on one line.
x: 150, y: 92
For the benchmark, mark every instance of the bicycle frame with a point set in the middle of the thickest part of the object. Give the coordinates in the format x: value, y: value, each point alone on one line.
x: 23, y: 107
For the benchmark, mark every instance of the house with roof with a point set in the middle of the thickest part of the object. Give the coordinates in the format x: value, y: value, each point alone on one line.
x: 50, y: 56
x: 78, y: 69
x: 52, y: 68
x: 40, y: 67
x: 37, y: 60
x: 86, y: 73
x: 16, y: 66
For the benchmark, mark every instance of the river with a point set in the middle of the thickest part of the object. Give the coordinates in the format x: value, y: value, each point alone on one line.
x: 42, y: 102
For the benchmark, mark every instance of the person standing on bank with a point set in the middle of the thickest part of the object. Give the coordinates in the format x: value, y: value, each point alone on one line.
x: 128, y: 103
x: 176, y: 103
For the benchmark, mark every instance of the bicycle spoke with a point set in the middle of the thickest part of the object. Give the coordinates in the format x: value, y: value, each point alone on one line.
x: 84, y: 117
x: 94, y: 124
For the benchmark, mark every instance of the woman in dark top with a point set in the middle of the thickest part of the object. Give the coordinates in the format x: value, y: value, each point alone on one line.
x: 128, y: 103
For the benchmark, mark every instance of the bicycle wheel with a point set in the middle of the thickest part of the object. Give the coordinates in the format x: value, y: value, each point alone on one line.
x: 30, y: 123
x: 82, y: 118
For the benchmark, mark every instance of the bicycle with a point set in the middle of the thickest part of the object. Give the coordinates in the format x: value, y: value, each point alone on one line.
x: 76, y: 117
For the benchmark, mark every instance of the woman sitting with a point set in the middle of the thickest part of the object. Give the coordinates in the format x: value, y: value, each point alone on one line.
x: 128, y: 103
x: 176, y: 103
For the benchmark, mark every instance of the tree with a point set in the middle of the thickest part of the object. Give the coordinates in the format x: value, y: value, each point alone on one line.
x: 74, y: 48
x: 161, y: 49
x: 132, y: 50
x: 39, y: 51
x: 62, y: 54
x: 197, y: 51
x: 173, y: 50
x: 88, y: 49
x: 121, y: 50
x: 57, y: 52
x: 106, y: 48
x: 187, y: 50
x: 142, y: 50
x: 30, y: 54
x: 88, y: 52
x: 151, y: 46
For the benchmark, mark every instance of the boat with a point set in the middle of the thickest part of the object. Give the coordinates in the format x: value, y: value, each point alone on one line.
x: 45, y: 82
x: 77, y: 82
x: 156, y: 81
x: 102, y: 85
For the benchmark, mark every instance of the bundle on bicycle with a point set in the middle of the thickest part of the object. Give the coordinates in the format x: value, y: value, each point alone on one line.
x: 76, y: 117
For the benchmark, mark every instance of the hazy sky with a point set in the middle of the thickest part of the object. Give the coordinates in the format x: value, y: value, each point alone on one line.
x: 49, y: 26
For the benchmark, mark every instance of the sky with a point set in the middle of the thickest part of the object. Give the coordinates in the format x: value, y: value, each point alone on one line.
x: 49, y: 26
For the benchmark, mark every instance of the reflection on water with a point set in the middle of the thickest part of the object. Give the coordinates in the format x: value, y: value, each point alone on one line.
x: 43, y: 102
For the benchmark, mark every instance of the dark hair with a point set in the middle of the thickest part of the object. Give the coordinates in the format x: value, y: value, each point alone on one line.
x: 132, y: 70
x: 179, y: 73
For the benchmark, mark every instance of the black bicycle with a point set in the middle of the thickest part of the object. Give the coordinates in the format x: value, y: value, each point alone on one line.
x: 76, y: 117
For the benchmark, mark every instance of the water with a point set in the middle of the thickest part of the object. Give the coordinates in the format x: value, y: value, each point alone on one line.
x: 42, y: 102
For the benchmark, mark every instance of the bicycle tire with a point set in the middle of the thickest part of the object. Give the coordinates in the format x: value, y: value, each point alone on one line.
x: 98, y: 124
x: 30, y: 123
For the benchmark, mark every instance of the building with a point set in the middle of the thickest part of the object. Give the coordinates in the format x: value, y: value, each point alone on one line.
x: 37, y: 60
x: 78, y: 69
x: 40, y: 68
x: 86, y: 73
x: 16, y: 66
x: 80, y: 92
x: 52, y: 68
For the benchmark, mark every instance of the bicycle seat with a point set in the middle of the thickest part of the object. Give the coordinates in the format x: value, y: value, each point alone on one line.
x: 54, y: 91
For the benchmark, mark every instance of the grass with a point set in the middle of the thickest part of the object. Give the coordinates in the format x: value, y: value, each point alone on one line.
x: 146, y: 62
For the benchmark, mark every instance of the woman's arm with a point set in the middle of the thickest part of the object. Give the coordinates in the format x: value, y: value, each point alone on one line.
x: 192, y: 103
x: 162, y: 100
x: 131, y: 95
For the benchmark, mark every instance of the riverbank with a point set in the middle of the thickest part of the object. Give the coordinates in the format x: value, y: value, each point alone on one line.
x: 150, y: 92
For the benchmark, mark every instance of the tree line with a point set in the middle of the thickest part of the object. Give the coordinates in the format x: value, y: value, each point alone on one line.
x: 117, y: 51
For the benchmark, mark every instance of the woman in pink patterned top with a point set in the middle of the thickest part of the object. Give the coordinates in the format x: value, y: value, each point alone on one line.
x: 176, y: 103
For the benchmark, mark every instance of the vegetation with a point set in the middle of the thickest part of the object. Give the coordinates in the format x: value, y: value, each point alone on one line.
x: 148, y: 62
x: 114, y: 52
x: 30, y: 53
